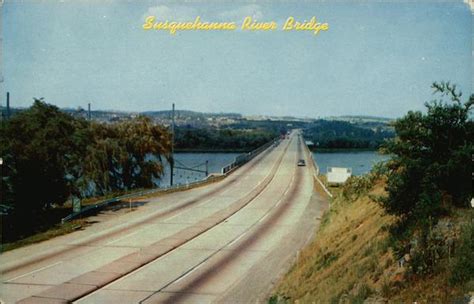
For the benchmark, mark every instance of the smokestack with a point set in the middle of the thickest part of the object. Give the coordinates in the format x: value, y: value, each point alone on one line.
x: 8, y: 105
x: 172, y: 146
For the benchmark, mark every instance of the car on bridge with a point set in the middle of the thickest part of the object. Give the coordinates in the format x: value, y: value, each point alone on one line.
x: 301, y: 163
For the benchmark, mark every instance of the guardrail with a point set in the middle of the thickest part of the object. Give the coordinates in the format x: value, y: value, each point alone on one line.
x: 316, y: 171
x: 239, y: 161
x: 105, y: 203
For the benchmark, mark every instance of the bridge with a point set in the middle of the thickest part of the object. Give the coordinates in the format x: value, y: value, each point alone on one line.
x: 228, y: 241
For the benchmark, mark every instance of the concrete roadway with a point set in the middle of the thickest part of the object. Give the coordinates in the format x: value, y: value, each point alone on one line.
x: 225, y: 242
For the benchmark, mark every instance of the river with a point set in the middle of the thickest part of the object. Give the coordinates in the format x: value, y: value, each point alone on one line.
x: 360, y: 162
x: 215, y: 163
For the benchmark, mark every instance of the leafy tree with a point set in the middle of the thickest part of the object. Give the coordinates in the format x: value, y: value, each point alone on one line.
x: 125, y: 156
x: 142, y: 140
x: 430, y: 170
x: 37, y: 147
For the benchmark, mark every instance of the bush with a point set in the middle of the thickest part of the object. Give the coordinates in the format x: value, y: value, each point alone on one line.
x: 462, y: 270
x: 357, y: 186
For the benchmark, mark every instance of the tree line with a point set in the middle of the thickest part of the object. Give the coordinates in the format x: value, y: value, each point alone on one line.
x: 206, y: 139
x: 344, y: 135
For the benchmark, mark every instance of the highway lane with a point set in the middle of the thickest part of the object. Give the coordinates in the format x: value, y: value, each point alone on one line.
x: 182, y: 237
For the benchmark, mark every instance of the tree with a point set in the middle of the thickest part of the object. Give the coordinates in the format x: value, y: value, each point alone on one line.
x: 144, y: 144
x: 37, y: 145
x: 125, y: 155
x: 429, y: 171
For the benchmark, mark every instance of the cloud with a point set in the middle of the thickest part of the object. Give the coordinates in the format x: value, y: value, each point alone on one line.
x: 252, y: 10
x: 175, y: 13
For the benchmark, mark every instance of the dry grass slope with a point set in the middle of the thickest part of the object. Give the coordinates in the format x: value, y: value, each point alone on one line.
x: 350, y: 261
x: 342, y: 262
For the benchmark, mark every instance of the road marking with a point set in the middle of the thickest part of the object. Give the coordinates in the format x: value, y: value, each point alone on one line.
x: 283, y: 196
x: 34, y: 271
x: 123, y: 237
x: 178, y: 214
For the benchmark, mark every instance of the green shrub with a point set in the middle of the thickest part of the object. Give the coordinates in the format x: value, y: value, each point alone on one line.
x: 357, y: 186
x: 462, y: 269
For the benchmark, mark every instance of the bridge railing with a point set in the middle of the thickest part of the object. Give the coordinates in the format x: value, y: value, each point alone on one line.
x: 102, y: 204
x: 243, y: 158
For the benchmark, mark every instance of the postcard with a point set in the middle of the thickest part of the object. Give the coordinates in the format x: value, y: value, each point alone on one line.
x: 236, y: 151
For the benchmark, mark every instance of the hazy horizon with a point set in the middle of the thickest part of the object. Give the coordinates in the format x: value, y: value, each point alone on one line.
x: 201, y: 112
x: 376, y: 59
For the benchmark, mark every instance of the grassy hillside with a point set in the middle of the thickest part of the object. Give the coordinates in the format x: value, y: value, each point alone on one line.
x: 351, y: 259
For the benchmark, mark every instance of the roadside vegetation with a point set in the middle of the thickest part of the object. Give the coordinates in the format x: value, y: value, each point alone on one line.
x: 404, y: 232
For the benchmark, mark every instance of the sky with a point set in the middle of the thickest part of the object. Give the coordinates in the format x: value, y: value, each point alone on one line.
x: 377, y: 58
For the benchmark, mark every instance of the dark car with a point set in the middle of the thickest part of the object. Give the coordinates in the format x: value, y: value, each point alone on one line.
x: 301, y: 163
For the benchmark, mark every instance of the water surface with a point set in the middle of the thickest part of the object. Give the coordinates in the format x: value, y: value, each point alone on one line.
x: 360, y: 162
x: 195, y: 160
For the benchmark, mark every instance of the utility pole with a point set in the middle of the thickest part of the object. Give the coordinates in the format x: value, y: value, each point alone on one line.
x: 172, y: 146
x: 89, y: 117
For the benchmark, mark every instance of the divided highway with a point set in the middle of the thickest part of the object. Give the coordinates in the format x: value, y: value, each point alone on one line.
x: 224, y: 242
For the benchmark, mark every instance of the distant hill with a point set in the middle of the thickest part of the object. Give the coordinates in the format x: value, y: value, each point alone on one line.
x: 335, y: 134
x: 361, y: 118
x: 188, y: 113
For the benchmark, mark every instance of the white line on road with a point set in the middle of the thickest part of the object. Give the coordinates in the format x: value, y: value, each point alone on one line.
x: 34, y: 271
x: 123, y: 237
x: 178, y: 214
